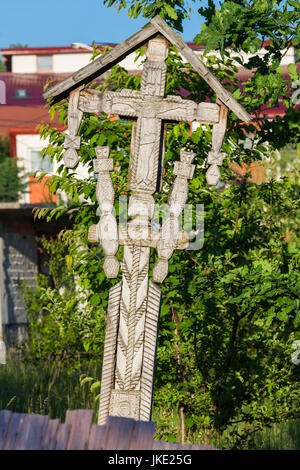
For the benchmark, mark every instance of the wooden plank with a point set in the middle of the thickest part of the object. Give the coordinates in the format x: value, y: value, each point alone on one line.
x: 62, y: 436
x: 32, y: 432
x: 5, y: 416
x: 97, y: 437
x: 142, y: 436
x: 100, y: 65
x: 15, y: 426
x: 80, y: 421
x: 118, y: 433
x: 202, y: 447
x: 207, y: 113
x: 160, y: 445
x: 50, y: 435
x: 224, y: 95
x: 175, y: 446
x: 109, y: 356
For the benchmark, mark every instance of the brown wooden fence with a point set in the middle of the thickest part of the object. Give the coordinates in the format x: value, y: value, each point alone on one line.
x: 37, y: 432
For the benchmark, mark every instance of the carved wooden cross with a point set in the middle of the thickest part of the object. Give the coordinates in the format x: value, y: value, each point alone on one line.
x: 134, y: 303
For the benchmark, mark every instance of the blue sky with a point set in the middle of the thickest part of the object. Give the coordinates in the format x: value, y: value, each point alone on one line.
x: 61, y: 22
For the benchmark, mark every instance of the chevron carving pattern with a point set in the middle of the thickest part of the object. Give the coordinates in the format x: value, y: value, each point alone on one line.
x: 108, y: 368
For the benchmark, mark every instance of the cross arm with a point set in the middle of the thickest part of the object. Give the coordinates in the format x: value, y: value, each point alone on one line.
x: 124, y: 103
x: 175, y: 108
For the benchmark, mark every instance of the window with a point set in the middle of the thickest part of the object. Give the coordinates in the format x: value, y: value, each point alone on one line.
x: 39, y: 163
x: 44, y: 63
x: 21, y: 93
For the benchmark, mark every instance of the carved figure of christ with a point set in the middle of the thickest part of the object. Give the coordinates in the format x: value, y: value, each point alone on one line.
x: 134, y: 303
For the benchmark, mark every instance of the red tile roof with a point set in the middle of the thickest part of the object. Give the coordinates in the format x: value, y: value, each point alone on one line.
x: 33, y: 83
x: 23, y: 117
x: 43, y: 50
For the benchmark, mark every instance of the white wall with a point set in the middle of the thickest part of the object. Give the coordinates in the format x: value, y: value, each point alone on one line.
x: 27, y: 142
x: 64, y: 63
x: 24, y: 63
x: 288, y: 58
x: 129, y: 64
x: 69, y: 63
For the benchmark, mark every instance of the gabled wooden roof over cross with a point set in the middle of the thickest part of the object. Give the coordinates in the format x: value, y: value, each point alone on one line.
x: 156, y: 26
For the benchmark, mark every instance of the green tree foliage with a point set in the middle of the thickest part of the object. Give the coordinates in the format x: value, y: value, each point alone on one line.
x: 230, y: 311
x: 2, y: 66
x: 173, y: 11
x: 18, y: 46
x: 66, y: 310
x: 11, y: 185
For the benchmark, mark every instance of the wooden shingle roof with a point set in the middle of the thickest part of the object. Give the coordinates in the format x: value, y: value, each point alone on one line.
x: 156, y: 26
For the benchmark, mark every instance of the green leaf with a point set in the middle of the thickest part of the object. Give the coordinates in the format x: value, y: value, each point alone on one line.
x: 95, y: 386
x: 95, y: 300
x: 85, y: 380
x: 69, y: 261
x: 170, y: 11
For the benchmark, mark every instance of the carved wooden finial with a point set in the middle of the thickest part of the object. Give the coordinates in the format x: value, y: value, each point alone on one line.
x: 215, y: 156
x: 106, y: 231
x: 72, y: 141
x: 170, y: 233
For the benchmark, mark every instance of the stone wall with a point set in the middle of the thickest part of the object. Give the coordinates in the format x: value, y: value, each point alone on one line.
x: 19, y: 262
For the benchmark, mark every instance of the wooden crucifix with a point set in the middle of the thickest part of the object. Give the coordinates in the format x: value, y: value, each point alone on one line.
x: 134, y: 303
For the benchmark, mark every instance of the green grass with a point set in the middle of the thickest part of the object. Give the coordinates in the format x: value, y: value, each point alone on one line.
x: 50, y: 390
x: 283, y: 436
x: 28, y: 388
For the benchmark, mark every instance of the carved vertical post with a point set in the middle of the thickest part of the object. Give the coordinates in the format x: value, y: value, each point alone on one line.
x: 170, y: 234
x: 106, y: 231
x: 72, y: 141
x: 215, y: 156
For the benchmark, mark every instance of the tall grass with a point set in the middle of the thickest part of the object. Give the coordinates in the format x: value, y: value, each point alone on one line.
x: 51, y: 390
x: 283, y: 436
x: 47, y: 389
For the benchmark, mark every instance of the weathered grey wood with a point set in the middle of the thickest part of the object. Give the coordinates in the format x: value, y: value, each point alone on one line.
x: 14, y: 428
x: 207, y: 113
x: 49, y: 439
x: 119, y: 432
x: 106, y: 231
x: 35, y: 432
x: 170, y: 232
x: 175, y: 446
x: 125, y: 394
x: 128, y: 365
x: 3, y: 300
x: 72, y: 140
x: 215, y: 156
x: 5, y: 417
x: 150, y: 340
x: 97, y: 437
x: 100, y: 64
x: 224, y: 95
x: 202, y: 447
x: 109, y: 356
x: 62, y: 436
x: 142, y: 436
x: 80, y: 421
x: 103, y: 63
x: 160, y: 445
x: 31, y: 434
